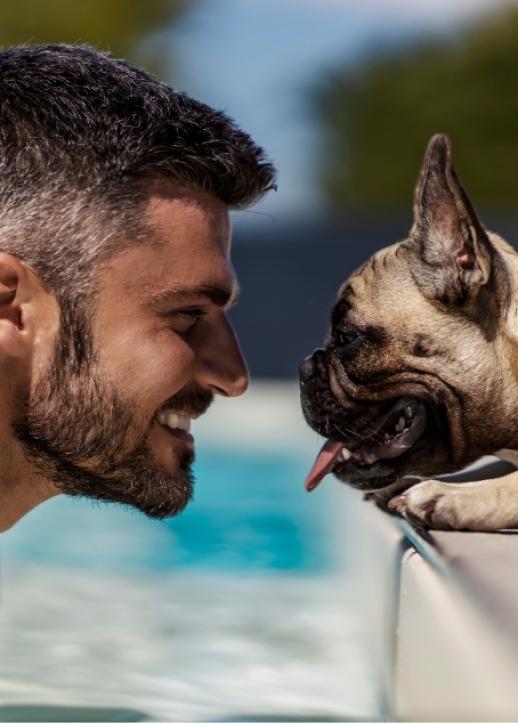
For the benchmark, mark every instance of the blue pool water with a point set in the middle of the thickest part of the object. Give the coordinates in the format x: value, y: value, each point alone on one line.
x: 238, y: 609
x: 250, y: 512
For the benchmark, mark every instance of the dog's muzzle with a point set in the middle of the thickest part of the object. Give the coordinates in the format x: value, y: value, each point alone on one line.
x: 363, y: 436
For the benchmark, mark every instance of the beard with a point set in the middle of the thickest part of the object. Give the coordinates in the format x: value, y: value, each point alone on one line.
x: 84, y: 437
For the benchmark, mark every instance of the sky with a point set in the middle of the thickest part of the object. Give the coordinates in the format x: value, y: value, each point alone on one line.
x: 259, y: 59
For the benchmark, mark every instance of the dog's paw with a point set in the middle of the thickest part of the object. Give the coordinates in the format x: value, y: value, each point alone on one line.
x: 433, y: 505
x: 381, y: 497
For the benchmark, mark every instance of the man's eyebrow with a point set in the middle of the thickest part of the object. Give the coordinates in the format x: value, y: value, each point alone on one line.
x: 218, y: 295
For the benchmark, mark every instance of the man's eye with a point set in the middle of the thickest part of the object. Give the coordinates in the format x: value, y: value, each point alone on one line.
x: 192, y: 313
x: 185, y: 319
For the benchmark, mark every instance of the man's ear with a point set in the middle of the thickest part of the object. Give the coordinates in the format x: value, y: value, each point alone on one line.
x: 14, y: 291
x: 452, y: 243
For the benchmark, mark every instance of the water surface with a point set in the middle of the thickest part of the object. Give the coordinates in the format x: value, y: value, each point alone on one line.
x: 239, y: 609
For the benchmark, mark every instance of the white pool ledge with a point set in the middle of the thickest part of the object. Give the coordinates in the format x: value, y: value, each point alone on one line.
x: 441, y: 616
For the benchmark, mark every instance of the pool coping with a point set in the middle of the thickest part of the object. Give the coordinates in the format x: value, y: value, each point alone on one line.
x: 441, y: 611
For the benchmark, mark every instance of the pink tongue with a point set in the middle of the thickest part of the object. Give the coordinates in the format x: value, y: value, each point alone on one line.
x: 323, y: 463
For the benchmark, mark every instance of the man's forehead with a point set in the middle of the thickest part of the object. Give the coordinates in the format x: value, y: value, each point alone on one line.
x: 179, y: 214
x: 186, y: 258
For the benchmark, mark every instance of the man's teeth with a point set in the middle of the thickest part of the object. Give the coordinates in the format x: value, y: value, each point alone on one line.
x: 174, y: 421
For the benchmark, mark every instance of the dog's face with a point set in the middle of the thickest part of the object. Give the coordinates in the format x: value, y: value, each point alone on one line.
x: 412, y: 378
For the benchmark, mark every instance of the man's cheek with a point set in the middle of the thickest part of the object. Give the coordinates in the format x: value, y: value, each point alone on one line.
x: 141, y: 368
x: 172, y: 362
x: 162, y: 372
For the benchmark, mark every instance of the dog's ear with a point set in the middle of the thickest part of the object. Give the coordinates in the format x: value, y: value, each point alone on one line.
x: 455, y: 253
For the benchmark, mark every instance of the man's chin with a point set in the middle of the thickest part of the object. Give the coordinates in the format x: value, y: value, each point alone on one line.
x: 156, y: 492
x: 137, y: 482
x: 157, y: 496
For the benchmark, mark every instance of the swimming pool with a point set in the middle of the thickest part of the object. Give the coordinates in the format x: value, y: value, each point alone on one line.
x: 250, y: 512
x: 239, y: 609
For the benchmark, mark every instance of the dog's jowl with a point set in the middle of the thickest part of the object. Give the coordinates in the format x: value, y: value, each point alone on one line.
x: 419, y: 372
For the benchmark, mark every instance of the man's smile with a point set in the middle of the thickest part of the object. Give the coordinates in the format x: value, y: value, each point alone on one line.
x: 177, y: 425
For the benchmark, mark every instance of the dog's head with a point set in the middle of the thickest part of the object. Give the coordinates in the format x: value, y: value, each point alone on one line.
x: 413, y: 375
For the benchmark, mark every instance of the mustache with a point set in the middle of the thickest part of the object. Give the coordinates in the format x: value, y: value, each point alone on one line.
x: 192, y: 402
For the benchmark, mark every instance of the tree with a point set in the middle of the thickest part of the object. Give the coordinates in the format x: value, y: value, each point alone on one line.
x: 378, y: 117
x: 120, y: 26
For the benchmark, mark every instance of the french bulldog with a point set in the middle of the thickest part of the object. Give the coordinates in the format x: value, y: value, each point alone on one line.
x: 419, y: 373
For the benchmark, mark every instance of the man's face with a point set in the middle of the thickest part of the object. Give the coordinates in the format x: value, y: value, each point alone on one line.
x: 115, y: 428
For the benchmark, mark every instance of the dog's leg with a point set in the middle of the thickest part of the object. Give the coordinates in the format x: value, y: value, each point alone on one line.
x: 490, y: 504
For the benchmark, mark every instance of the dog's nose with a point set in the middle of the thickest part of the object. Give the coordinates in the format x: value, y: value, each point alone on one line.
x: 306, y: 369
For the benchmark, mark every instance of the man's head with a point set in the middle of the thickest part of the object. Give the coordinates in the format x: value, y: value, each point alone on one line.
x: 418, y: 368
x: 114, y: 272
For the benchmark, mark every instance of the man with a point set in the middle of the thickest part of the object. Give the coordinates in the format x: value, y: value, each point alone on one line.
x: 115, y: 277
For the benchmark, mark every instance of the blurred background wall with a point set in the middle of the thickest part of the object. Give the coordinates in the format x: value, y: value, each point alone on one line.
x: 344, y: 95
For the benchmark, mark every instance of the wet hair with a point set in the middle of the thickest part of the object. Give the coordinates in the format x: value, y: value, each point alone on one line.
x: 83, y: 137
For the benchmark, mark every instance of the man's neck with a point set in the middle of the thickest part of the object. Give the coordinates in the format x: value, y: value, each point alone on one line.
x: 20, y: 494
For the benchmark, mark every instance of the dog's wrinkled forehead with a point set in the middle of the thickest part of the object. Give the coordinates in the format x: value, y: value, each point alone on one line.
x: 381, y: 292
x: 418, y: 297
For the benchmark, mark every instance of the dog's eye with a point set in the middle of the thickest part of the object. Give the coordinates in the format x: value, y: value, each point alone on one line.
x: 345, y: 339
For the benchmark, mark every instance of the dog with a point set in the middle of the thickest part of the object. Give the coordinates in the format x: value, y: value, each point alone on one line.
x: 419, y: 373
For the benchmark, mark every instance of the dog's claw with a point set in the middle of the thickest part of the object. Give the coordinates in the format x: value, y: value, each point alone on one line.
x: 397, y: 504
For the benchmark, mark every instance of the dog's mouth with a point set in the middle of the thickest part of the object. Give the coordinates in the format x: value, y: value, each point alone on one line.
x: 393, y: 434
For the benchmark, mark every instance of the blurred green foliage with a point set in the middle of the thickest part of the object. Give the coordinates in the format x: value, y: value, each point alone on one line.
x: 379, y: 116
x: 120, y: 26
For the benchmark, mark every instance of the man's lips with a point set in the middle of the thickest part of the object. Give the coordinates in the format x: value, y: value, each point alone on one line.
x: 180, y: 435
x: 393, y: 435
x: 177, y: 425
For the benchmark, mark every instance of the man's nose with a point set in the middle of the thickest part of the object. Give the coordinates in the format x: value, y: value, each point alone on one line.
x: 222, y: 367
